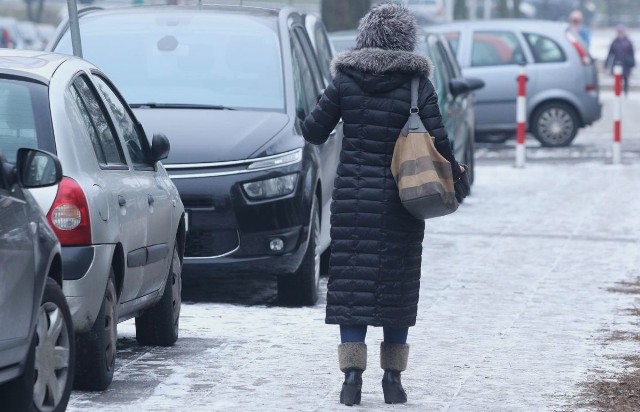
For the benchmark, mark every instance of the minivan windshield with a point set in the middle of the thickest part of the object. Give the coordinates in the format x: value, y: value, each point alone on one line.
x: 182, y: 59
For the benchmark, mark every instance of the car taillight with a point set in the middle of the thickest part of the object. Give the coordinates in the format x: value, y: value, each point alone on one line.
x: 69, y: 214
x: 584, y: 55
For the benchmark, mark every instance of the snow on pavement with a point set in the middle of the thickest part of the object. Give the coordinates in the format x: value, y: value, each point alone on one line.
x: 513, y: 304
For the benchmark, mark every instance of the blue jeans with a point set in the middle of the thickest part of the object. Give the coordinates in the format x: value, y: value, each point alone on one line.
x: 356, y: 334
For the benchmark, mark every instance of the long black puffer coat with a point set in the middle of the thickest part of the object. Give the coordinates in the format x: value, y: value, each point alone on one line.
x: 376, y: 245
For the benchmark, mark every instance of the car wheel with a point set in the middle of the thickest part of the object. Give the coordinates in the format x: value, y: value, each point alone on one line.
x: 469, y: 159
x: 159, y: 325
x: 54, y: 352
x: 555, y: 124
x: 96, y: 349
x: 46, y: 383
x: 301, y: 288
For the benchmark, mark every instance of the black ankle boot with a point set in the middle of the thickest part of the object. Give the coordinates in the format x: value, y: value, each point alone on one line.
x: 392, y: 387
x: 353, y: 361
x: 351, y: 388
x: 393, y: 359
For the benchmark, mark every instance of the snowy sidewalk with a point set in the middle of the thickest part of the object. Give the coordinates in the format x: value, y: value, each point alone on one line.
x: 514, y: 305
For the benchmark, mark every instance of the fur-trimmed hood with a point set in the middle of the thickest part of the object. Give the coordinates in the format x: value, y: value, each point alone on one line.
x: 379, y: 61
x: 389, y: 27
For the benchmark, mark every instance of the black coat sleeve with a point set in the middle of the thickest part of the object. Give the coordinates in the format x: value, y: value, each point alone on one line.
x: 432, y: 120
x: 325, y: 116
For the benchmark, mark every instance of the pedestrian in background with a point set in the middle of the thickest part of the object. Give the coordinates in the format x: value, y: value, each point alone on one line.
x: 621, y: 53
x: 376, y: 249
x: 580, y: 30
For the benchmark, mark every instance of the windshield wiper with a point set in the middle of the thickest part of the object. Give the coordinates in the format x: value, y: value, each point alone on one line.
x: 180, y: 106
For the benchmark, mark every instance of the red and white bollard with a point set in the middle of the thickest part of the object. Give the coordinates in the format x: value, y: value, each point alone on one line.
x: 521, y: 118
x: 617, y: 116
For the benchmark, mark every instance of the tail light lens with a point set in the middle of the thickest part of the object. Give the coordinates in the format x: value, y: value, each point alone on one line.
x: 582, y: 52
x: 69, y: 215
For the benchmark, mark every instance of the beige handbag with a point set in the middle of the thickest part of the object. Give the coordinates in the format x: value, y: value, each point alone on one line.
x: 423, y: 175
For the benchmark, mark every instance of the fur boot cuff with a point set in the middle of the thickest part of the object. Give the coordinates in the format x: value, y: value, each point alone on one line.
x: 352, y: 356
x: 394, y: 357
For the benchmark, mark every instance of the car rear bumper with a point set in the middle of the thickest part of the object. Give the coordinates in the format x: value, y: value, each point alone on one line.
x: 85, y: 281
x: 591, y: 110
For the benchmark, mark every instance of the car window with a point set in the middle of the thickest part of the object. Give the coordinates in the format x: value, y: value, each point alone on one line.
x: 304, y: 83
x: 439, y: 77
x: 324, y: 53
x: 135, y: 143
x: 187, y: 57
x: 454, y: 41
x: 495, y: 48
x: 104, y: 135
x: 25, y: 120
x: 544, y: 49
x: 312, y: 61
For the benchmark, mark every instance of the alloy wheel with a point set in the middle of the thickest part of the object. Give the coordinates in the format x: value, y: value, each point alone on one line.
x: 555, y: 126
x: 176, y: 285
x: 110, y: 326
x: 52, y: 357
x: 317, y: 257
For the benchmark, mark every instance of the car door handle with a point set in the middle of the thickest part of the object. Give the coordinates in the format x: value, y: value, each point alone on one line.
x: 122, y: 201
x: 151, y: 200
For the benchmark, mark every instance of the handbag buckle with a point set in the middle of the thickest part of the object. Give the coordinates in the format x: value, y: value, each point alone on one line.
x: 414, y: 110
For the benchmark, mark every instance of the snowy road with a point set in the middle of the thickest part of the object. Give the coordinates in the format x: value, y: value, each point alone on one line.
x: 514, y: 306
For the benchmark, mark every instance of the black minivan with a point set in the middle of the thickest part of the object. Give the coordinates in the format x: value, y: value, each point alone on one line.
x: 229, y: 86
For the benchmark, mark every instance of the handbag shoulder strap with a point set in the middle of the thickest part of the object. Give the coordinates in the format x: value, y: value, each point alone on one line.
x: 415, y: 85
x: 414, y: 123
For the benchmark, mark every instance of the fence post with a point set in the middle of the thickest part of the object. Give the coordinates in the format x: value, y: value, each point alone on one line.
x: 521, y: 117
x: 617, y: 116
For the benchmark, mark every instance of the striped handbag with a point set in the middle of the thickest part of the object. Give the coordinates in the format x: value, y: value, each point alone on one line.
x: 423, y: 175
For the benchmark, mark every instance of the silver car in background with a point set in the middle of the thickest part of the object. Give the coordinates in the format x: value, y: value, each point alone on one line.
x: 562, y: 91
x: 116, y: 212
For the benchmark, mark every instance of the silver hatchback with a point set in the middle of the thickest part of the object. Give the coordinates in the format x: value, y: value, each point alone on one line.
x: 116, y: 212
x: 562, y: 91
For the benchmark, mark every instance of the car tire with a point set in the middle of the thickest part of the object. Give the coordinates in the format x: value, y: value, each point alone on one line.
x: 159, y: 325
x: 19, y: 395
x: 469, y: 159
x: 301, y: 287
x: 555, y: 124
x: 96, y: 349
x: 54, y: 352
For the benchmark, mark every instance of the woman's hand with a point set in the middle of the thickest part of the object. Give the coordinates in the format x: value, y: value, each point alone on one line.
x: 462, y: 185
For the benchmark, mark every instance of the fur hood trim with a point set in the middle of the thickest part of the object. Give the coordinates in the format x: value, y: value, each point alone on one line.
x: 379, y: 61
x: 388, y: 26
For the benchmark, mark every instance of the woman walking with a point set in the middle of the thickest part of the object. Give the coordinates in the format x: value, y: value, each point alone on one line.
x: 376, y: 252
x: 621, y: 53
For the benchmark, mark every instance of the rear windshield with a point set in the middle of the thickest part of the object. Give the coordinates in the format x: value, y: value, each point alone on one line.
x: 25, y: 120
x: 196, y: 58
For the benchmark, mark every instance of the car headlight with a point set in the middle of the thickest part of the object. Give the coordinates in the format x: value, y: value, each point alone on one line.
x: 283, y: 159
x: 275, y: 187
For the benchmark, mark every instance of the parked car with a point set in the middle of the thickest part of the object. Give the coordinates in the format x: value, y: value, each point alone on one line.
x: 28, y: 34
x: 36, y: 333
x: 45, y: 33
x: 454, y: 91
x: 116, y: 213
x: 230, y: 85
x: 426, y: 11
x: 9, y: 34
x: 562, y: 91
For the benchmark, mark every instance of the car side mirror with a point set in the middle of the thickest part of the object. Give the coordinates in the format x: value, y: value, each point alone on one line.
x: 37, y: 168
x: 160, y: 147
x: 474, y: 83
x: 458, y: 87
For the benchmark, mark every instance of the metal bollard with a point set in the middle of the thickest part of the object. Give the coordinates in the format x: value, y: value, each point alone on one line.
x: 617, y: 116
x: 521, y: 118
